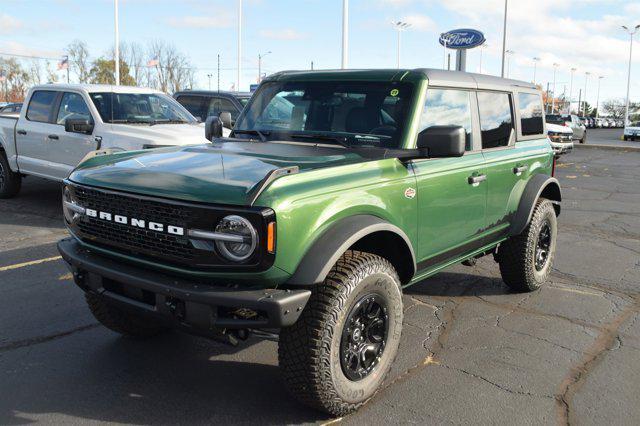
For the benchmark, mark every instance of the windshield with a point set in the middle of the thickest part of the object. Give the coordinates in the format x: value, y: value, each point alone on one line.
x: 557, y: 118
x: 243, y: 101
x: 144, y: 108
x: 347, y: 113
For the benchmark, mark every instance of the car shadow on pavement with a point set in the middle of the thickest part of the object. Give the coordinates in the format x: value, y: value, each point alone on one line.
x: 458, y: 284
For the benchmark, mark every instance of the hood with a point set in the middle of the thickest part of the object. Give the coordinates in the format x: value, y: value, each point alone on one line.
x: 558, y: 129
x: 224, y: 172
x: 162, y: 134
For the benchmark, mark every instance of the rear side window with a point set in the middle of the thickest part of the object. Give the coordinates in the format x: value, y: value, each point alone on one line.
x: 496, y: 120
x: 447, y: 107
x: 219, y: 105
x: 193, y: 104
x: 41, y: 105
x: 530, y: 105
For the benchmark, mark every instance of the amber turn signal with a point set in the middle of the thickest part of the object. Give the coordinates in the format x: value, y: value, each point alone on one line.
x: 271, y: 237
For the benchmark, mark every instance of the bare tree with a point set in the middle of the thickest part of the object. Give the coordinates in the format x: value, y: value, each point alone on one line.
x: 16, y: 80
x: 134, y: 54
x: 174, y: 72
x: 52, y: 77
x: 35, y: 72
x: 79, y: 59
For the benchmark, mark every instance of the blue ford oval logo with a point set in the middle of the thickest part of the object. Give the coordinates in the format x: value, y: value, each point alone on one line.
x: 463, y: 38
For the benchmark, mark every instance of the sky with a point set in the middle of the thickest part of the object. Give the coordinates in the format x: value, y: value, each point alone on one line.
x: 581, y: 34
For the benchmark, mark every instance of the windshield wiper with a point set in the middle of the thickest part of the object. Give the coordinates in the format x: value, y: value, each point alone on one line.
x: 342, y: 141
x: 262, y: 135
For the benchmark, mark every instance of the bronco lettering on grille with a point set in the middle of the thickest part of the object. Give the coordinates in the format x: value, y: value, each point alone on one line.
x: 138, y: 223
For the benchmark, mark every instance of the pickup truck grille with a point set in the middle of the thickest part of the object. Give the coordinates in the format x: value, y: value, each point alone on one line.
x: 134, y: 240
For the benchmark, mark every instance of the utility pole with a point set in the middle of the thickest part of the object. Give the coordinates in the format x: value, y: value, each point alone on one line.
x: 598, y: 97
x: 504, y: 38
x: 260, y: 56
x: 399, y: 26
x: 546, y: 107
x: 345, y: 34
x: 117, y: 36
x: 579, y: 100
x: 209, y: 77
x: 239, y: 44
x: 584, y: 109
x: 573, y: 70
x: 218, y: 73
x: 535, y: 63
x: 481, y: 50
x: 631, y: 33
x: 311, y: 65
x: 553, y: 99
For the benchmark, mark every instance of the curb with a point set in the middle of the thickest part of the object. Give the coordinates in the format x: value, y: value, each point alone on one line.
x: 609, y: 147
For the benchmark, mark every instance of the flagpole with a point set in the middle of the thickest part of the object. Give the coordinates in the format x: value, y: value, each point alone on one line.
x: 117, y: 53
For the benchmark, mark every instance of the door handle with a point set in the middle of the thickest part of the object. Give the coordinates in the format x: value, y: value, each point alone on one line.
x: 55, y: 137
x: 21, y: 132
x: 475, y: 180
x: 518, y: 170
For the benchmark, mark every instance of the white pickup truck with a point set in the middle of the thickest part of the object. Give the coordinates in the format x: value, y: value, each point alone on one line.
x: 60, y: 124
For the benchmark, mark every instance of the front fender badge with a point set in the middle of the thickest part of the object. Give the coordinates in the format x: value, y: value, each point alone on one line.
x: 410, y: 193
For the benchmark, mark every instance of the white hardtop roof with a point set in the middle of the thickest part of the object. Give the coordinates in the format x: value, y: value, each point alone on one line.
x: 93, y: 88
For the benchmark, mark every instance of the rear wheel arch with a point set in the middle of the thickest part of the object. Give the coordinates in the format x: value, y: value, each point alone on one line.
x: 365, y: 233
x: 539, y: 186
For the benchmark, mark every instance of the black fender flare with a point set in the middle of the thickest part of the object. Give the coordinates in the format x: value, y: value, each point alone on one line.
x: 538, y: 184
x: 327, y: 249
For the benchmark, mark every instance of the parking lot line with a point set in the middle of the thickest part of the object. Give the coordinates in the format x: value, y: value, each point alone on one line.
x: 30, y: 263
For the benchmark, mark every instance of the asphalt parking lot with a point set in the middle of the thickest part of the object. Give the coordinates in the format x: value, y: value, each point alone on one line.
x: 471, y: 351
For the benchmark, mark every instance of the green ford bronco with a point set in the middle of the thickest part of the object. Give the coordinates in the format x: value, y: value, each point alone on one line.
x: 336, y: 190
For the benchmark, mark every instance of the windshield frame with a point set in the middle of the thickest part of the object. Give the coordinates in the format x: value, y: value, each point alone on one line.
x: 187, y: 118
x: 405, y: 122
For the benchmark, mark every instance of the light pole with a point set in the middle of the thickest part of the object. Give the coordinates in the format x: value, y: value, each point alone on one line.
x: 509, y: 53
x: 481, y: 50
x: 573, y: 70
x: 584, y: 103
x: 598, y: 97
x: 400, y: 26
x: 345, y: 34
x: 209, y: 77
x: 239, y: 43
x: 535, y: 63
x: 631, y: 33
x: 117, y: 39
x: 553, y: 97
x: 260, y: 56
x: 504, y: 38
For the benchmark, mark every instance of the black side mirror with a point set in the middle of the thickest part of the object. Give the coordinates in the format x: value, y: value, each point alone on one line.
x: 213, y: 127
x: 442, y: 141
x: 225, y: 117
x: 78, y: 125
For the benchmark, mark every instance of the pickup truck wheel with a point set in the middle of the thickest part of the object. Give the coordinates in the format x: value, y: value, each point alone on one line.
x: 337, y: 354
x: 10, y: 182
x: 121, y: 321
x: 525, y: 260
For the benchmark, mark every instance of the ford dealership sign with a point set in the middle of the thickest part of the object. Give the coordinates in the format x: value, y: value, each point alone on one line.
x: 463, y: 38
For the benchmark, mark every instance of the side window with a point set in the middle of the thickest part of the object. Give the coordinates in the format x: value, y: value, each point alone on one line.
x: 218, y: 105
x: 40, y: 105
x: 72, y: 106
x: 193, y: 104
x: 448, y: 107
x: 530, y: 105
x: 496, y: 120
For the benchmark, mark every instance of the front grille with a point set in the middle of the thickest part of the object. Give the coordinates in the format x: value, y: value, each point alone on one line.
x: 131, y: 239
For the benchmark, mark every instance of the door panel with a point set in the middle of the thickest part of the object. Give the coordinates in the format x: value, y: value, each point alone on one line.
x: 451, y: 215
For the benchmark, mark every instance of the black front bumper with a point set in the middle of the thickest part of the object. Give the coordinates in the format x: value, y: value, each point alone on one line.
x: 198, y: 307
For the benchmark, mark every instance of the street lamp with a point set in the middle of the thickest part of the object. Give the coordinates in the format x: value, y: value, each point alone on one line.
x: 598, y: 97
x: 584, y: 103
x: 535, y: 63
x: 260, y: 56
x: 209, y: 77
x: 504, y: 39
x: 553, y: 98
x: 573, y: 70
x: 631, y: 33
x: 400, y: 26
x: 482, y: 47
x: 509, y: 53
x: 345, y: 34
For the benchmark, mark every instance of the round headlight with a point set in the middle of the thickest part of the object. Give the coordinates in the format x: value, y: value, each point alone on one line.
x: 242, y: 247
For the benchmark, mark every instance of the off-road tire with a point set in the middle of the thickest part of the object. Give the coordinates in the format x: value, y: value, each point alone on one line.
x: 516, y: 256
x: 10, y: 182
x: 121, y: 321
x: 309, y: 351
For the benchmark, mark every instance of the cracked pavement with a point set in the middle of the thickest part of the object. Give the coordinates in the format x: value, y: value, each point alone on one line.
x: 471, y: 350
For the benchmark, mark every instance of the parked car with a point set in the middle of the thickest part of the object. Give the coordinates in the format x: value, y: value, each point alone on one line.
x: 561, y: 138
x: 362, y: 182
x: 632, y: 131
x: 572, y: 121
x: 62, y: 124
x: 206, y: 103
x: 13, y: 108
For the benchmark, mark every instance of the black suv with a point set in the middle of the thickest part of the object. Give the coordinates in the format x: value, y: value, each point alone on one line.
x: 204, y: 103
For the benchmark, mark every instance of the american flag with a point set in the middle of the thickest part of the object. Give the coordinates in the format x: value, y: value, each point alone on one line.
x: 64, y: 63
x: 153, y: 62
